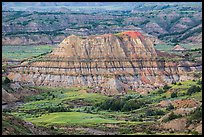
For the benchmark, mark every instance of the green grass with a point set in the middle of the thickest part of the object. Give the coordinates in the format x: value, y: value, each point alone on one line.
x: 92, y: 98
x: 197, y: 96
x: 155, y: 97
x: 78, y: 116
x: 67, y: 118
x: 70, y: 94
x: 191, y: 46
x: 40, y: 104
x: 63, y: 98
x: 184, y: 84
x: 168, y: 47
x: 24, y: 52
x: 163, y: 47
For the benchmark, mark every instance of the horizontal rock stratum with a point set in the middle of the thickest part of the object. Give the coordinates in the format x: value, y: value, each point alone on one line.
x: 110, y: 63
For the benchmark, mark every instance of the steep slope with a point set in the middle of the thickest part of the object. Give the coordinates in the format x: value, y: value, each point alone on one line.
x: 7, y: 97
x: 12, y: 125
x: 128, y: 57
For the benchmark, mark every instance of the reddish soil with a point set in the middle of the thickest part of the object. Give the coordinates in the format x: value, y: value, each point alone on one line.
x: 133, y: 34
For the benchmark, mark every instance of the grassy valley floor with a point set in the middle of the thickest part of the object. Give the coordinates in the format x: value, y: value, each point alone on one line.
x: 73, y: 111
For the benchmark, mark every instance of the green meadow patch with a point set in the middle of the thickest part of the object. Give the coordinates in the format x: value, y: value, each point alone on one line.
x: 68, y: 94
x: 67, y: 118
x: 24, y: 52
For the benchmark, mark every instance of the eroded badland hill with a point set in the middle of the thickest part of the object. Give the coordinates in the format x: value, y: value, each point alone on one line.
x: 109, y: 63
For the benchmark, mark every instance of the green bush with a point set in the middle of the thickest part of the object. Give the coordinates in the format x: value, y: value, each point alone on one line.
x: 193, y: 89
x: 170, y: 107
x: 7, y: 80
x: 151, y: 112
x: 197, y: 75
x: 57, y: 109
x: 194, y: 133
x: 148, y: 131
x: 166, y: 87
x: 196, y: 115
x: 120, y: 104
x: 182, y: 94
x: 172, y: 116
x: 160, y: 91
x: 179, y: 83
x: 199, y: 82
x: 173, y: 95
x: 131, y: 105
x: 164, y: 96
x: 135, y: 119
x: 159, y: 112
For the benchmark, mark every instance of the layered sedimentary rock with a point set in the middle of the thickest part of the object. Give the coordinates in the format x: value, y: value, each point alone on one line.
x: 126, y: 58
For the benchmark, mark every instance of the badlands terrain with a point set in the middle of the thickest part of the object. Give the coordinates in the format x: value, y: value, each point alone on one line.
x: 130, y: 70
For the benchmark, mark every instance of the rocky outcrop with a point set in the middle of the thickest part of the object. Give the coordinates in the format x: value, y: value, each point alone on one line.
x: 111, y: 87
x: 14, y: 92
x: 186, y: 103
x: 181, y: 104
x: 178, y: 48
x: 15, y: 126
x: 128, y: 58
x: 32, y: 40
x: 7, y: 97
x: 176, y: 124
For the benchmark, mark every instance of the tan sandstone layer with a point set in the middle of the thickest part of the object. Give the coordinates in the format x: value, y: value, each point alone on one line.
x: 126, y: 58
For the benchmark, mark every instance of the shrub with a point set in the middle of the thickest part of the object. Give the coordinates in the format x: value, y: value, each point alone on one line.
x: 7, y: 80
x: 199, y: 82
x: 53, y: 96
x: 166, y: 87
x: 173, y: 95
x: 88, y: 110
x: 131, y: 105
x: 116, y: 104
x: 159, y: 112
x: 52, y: 128
x: 182, y: 94
x: 135, y: 119
x: 197, y: 75
x: 194, y: 132
x: 57, y: 109
x: 7, y: 110
x: 120, y: 104
x: 170, y: 107
x: 172, y: 116
x: 173, y: 82
x: 179, y: 83
x: 149, y: 112
x: 160, y: 91
x: 125, y: 130
x: 163, y: 96
x: 196, y: 115
x: 148, y: 131
x: 193, y: 89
